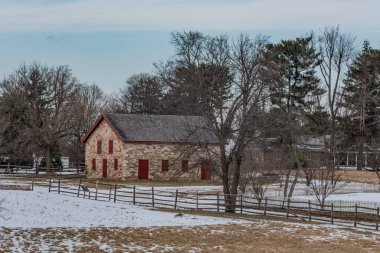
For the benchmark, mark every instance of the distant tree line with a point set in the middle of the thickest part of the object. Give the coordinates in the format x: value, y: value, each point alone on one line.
x: 249, y: 89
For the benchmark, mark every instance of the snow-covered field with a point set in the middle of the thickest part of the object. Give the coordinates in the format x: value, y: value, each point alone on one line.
x: 358, y: 197
x: 40, y: 209
x: 39, y: 221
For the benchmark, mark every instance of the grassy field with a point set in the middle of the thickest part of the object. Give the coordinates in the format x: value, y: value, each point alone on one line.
x: 264, y: 236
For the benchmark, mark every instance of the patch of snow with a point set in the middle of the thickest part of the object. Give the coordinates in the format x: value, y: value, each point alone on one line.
x: 360, y: 197
x: 40, y: 209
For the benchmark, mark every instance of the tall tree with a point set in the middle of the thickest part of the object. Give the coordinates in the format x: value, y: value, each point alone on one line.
x: 336, y: 51
x: 45, y: 105
x: 142, y: 95
x: 229, y: 88
x: 90, y: 103
x: 295, y: 84
x: 362, y: 99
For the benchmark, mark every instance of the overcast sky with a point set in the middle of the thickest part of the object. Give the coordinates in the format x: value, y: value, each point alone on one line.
x: 105, y: 41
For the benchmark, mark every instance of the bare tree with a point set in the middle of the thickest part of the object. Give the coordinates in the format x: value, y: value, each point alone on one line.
x: 89, y: 104
x: 46, y: 103
x: 142, y: 95
x: 336, y: 51
x: 231, y: 88
x: 326, y: 183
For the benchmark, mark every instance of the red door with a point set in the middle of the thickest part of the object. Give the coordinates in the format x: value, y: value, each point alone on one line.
x: 104, y: 167
x: 143, y: 169
x: 205, y: 171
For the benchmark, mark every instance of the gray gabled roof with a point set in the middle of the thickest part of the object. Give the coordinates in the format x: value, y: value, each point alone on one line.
x: 161, y: 128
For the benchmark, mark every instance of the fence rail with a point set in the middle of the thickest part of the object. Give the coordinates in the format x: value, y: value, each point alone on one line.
x: 342, y: 213
x: 19, y: 169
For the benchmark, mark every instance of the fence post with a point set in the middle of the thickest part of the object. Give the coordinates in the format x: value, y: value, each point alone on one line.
x: 114, y: 193
x: 332, y: 213
x: 176, y: 198
x: 32, y: 183
x: 265, y: 206
x: 49, y: 184
x: 109, y: 194
x: 377, y: 218
x: 196, y: 200
x: 241, y: 203
x: 309, y: 207
x: 79, y: 185
x: 217, y: 201
x: 59, y: 185
x: 134, y: 194
x: 287, y: 209
x: 152, y: 196
x: 96, y: 190
x: 356, y: 214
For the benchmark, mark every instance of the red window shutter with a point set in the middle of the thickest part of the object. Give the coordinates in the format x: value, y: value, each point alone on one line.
x: 110, y: 146
x: 116, y: 164
x: 99, y: 147
x: 93, y: 164
x: 185, y: 165
x: 165, y: 165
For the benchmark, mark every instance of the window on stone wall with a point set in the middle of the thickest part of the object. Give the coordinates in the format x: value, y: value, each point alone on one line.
x: 110, y: 146
x: 99, y: 149
x: 185, y: 165
x: 116, y: 164
x: 93, y: 164
x: 165, y: 165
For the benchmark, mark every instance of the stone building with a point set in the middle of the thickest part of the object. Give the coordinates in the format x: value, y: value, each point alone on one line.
x: 150, y: 147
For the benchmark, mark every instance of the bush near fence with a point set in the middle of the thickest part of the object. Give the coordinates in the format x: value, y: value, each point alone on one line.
x: 338, y: 212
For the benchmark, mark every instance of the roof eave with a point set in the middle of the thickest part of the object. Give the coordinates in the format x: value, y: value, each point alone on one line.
x: 95, y: 125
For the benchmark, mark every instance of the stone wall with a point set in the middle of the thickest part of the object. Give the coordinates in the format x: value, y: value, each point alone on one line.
x: 104, y: 133
x: 129, y: 154
x: 155, y: 153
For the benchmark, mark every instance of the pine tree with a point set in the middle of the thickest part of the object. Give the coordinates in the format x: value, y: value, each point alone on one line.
x: 295, y: 62
x: 362, y: 99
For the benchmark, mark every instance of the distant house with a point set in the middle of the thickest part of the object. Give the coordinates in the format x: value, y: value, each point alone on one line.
x: 312, y: 148
x: 148, y: 147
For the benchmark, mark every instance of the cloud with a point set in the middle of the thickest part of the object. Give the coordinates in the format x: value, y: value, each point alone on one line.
x: 127, y: 15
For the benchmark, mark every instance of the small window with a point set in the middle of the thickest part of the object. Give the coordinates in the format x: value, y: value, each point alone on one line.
x: 110, y: 146
x: 93, y: 164
x: 116, y: 164
x: 165, y: 165
x: 185, y: 165
x: 99, y: 150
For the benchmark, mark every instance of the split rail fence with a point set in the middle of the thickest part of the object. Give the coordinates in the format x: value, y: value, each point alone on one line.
x: 344, y: 213
x: 30, y: 170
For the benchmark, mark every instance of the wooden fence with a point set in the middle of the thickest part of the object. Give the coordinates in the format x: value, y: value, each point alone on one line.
x: 334, y: 212
x: 27, y: 170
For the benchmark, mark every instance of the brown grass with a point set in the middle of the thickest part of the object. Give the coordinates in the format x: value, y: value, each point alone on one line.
x: 16, y: 187
x: 368, y: 177
x: 264, y: 236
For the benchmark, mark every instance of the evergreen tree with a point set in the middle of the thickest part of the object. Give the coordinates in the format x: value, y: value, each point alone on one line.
x: 362, y: 100
x: 294, y: 85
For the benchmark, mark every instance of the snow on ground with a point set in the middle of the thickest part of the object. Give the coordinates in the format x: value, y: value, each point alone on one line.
x: 189, y: 188
x: 359, y: 197
x: 40, y: 209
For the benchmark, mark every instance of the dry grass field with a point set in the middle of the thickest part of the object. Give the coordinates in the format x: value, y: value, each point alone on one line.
x: 264, y: 236
x: 359, y: 176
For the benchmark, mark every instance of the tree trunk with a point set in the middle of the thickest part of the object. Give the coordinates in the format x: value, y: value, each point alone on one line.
x: 360, y: 165
x: 226, y: 187
x: 286, y: 183
x: 48, y: 159
x: 235, y: 183
x: 290, y: 194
